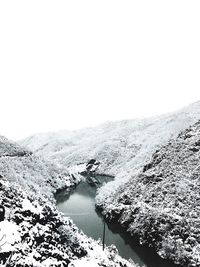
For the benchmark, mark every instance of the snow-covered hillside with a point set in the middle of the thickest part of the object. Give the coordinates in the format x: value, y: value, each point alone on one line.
x: 121, y: 146
x: 161, y: 204
x: 32, y: 231
x: 30, y: 171
x: 158, y: 202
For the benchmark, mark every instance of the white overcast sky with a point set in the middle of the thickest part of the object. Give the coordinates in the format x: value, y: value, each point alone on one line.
x: 72, y: 64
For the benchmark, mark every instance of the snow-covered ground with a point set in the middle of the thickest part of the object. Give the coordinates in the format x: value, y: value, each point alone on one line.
x: 161, y: 203
x: 33, y: 232
x: 121, y: 147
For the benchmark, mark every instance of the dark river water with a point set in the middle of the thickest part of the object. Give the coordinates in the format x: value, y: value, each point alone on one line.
x: 79, y: 205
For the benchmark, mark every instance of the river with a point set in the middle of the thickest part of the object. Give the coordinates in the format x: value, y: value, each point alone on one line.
x: 79, y: 205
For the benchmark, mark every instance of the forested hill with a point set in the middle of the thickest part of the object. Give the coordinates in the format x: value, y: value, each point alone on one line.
x: 154, y: 197
x: 161, y: 203
x: 32, y: 231
x: 119, y: 146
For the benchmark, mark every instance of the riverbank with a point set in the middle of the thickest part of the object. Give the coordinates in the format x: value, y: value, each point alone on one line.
x: 160, y: 203
x: 79, y: 205
x: 38, y: 234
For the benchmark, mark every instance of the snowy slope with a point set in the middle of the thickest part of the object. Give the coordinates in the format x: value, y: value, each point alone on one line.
x: 21, y: 166
x: 9, y: 148
x: 121, y: 146
x: 162, y: 203
x: 152, y: 209
x: 33, y: 232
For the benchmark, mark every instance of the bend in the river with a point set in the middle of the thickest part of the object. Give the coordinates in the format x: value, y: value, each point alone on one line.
x: 79, y: 205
